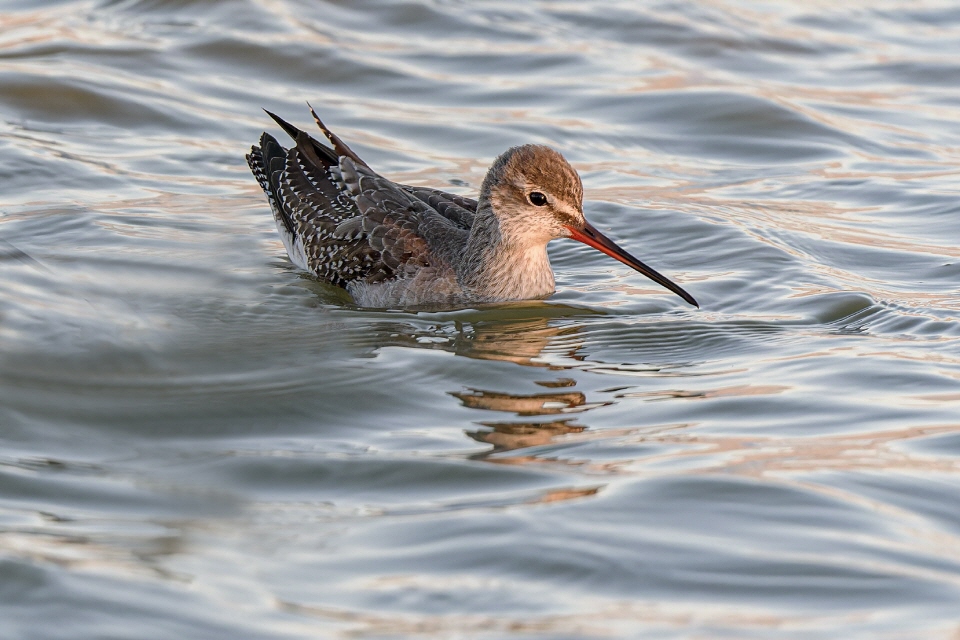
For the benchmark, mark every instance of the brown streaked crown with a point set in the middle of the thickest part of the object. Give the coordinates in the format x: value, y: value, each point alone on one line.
x: 534, y: 166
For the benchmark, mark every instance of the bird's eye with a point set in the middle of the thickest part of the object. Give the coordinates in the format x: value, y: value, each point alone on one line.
x: 537, y: 199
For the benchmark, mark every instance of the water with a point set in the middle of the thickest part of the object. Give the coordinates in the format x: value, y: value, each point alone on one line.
x: 198, y: 441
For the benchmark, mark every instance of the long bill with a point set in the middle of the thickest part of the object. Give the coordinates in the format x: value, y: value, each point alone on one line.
x: 589, y: 235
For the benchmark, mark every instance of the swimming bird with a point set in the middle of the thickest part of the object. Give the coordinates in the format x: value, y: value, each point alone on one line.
x: 392, y: 245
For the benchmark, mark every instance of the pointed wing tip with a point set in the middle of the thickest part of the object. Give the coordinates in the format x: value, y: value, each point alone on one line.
x: 290, y: 130
x: 339, y: 146
x: 313, y: 112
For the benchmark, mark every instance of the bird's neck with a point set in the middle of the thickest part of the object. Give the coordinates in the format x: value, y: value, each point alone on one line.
x: 500, y: 265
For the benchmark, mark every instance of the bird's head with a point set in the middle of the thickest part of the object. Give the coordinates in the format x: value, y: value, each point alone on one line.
x: 537, y: 196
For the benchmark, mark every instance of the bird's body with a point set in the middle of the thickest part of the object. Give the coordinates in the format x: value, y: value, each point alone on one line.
x: 391, y: 245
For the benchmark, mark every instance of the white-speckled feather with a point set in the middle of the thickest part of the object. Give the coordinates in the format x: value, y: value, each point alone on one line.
x: 392, y: 245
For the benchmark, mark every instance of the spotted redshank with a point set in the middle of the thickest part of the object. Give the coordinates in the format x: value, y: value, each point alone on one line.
x: 392, y: 245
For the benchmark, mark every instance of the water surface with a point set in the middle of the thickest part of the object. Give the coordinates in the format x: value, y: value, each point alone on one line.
x: 199, y: 441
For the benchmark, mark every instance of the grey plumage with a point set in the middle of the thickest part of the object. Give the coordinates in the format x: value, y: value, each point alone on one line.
x: 393, y: 245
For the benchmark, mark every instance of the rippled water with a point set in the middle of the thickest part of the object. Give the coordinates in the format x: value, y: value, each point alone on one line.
x: 196, y: 440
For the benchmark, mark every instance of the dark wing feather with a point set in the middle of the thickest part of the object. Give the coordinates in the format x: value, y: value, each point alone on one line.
x: 339, y: 146
x: 459, y: 210
x: 353, y: 223
x: 263, y: 161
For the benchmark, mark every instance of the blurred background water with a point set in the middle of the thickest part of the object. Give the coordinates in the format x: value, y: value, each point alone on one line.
x: 198, y: 441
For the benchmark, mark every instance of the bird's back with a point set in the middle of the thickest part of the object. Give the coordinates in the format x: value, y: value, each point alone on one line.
x: 384, y: 242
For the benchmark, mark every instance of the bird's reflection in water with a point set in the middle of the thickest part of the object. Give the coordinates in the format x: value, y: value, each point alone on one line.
x: 516, y: 435
x: 522, y: 342
x: 531, y: 342
x: 517, y: 443
x: 508, y: 436
x: 537, y: 404
x: 517, y: 341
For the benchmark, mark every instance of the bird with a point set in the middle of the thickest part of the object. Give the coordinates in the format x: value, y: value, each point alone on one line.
x: 392, y: 245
